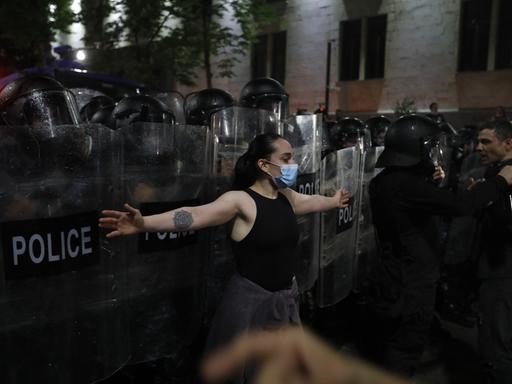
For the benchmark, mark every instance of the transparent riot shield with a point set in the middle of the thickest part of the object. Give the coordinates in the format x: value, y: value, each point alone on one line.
x: 61, y: 318
x: 165, y: 167
x: 233, y: 129
x: 304, y: 134
x: 175, y: 102
x: 366, y: 242
x: 338, y: 227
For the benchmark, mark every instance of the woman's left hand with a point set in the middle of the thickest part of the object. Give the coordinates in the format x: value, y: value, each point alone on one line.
x: 342, y: 197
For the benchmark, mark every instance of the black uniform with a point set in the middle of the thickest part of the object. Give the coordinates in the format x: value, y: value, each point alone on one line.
x: 405, y: 207
x: 495, y: 272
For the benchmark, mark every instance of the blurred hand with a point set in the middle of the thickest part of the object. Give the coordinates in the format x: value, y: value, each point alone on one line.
x: 471, y: 182
x: 506, y: 172
x: 342, y: 196
x: 439, y: 174
x: 292, y: 355
x: 122, y: 223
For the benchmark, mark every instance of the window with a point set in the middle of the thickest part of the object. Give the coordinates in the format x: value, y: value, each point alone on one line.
x: 269, y: 56
x: 504, y: 38
x: 363, y: 40
x: 485, y: 35
x: 474, y: 36
x: 279, y: 56
x: 375, y: 46
x: 350, y: 50
x: 259, y: 57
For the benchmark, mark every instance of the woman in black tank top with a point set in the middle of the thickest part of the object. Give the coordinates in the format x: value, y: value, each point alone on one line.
x: 263, y: 209
x: 266, y: 256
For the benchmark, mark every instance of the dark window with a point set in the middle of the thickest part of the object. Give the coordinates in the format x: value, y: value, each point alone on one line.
x: 259, y: 57
x: 375, y: 47
x: 474, y: 36
x: 279, y: 56
x: 350, y: 49
x: 504, y: 38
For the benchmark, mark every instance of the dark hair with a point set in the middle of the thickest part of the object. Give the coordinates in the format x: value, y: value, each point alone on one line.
x: 246, y: 168
x: 502, y: 128
x: 432, y: 104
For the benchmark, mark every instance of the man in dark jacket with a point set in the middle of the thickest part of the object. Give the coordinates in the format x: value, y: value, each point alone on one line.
x: 495, y: 261
x: 406, y: 203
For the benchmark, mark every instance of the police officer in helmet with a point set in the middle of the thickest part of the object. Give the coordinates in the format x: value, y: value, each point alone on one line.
x: 265, y: 93
x: 406, y: 202
x: 378, y: 126
x: 99, y: 110
x: 200, y: 106
x: 37, y: 100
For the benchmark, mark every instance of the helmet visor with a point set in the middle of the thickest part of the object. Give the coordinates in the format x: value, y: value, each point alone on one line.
x: 43, y: 108
x: 274, y: 104
x: 437, y: 149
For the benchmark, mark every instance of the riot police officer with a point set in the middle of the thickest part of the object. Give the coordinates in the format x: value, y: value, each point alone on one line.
x: 378, y: 126
x: 344, y: 133
x: 99, y: 110
x: 405, y: 202
x: 37, y: 100
x: 265, y: 93
x: 200, y: 106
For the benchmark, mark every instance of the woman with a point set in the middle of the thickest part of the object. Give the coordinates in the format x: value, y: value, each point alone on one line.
x: 262, y: 294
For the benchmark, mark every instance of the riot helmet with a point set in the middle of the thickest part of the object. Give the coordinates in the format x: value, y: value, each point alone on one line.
x: 200, y: 106
x: 175, y: 102
x: 37, y: 101
x: 99, y: 111
x: 411, y: 140
x: 147, y: 130
x: 141, y: 108
x: 345, y: 133
x: 265, y: 93
x: 42, y: 117
x: 378, y: 126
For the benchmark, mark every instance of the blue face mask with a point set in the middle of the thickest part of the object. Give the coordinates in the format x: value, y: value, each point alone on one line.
x: 288, y: 175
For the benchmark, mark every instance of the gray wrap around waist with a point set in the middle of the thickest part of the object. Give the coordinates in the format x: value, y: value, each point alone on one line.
x: 247, y: 306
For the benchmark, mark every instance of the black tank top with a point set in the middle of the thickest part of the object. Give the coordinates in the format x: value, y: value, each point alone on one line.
x: 266, y: 255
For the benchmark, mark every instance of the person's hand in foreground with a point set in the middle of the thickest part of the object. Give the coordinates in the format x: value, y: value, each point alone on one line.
x: 291, y: 355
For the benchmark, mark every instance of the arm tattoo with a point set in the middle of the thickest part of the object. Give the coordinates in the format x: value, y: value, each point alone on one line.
x: 183, y: 220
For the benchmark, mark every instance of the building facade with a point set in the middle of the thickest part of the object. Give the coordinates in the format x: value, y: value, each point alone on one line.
x: 457, y: 53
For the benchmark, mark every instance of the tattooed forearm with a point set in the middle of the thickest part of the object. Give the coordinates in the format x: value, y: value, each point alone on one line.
x: 183, y: 220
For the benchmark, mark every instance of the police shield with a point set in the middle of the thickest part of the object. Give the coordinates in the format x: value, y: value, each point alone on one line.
x: 339, y: 227
x: 366, y: 246
x: 165, y: 167
x: 303, y: 132
x: 62, y: 320
x: 233, y: 129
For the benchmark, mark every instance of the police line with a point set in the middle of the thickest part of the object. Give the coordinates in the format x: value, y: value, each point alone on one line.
x: 141, y: 298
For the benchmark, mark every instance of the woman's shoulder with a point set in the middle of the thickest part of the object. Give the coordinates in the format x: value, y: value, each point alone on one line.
x: 236, y: 195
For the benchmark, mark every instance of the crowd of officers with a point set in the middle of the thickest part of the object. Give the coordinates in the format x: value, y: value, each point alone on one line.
x: 425, y: 250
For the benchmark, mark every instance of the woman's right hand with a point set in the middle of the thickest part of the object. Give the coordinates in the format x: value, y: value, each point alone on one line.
x: 122, y: 223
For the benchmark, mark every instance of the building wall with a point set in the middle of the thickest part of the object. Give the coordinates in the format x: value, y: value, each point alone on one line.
x: 421, y: 53
x: 420, y: 63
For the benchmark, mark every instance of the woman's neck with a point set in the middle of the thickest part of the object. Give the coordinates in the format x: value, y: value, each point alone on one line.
x: 265, y: 187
